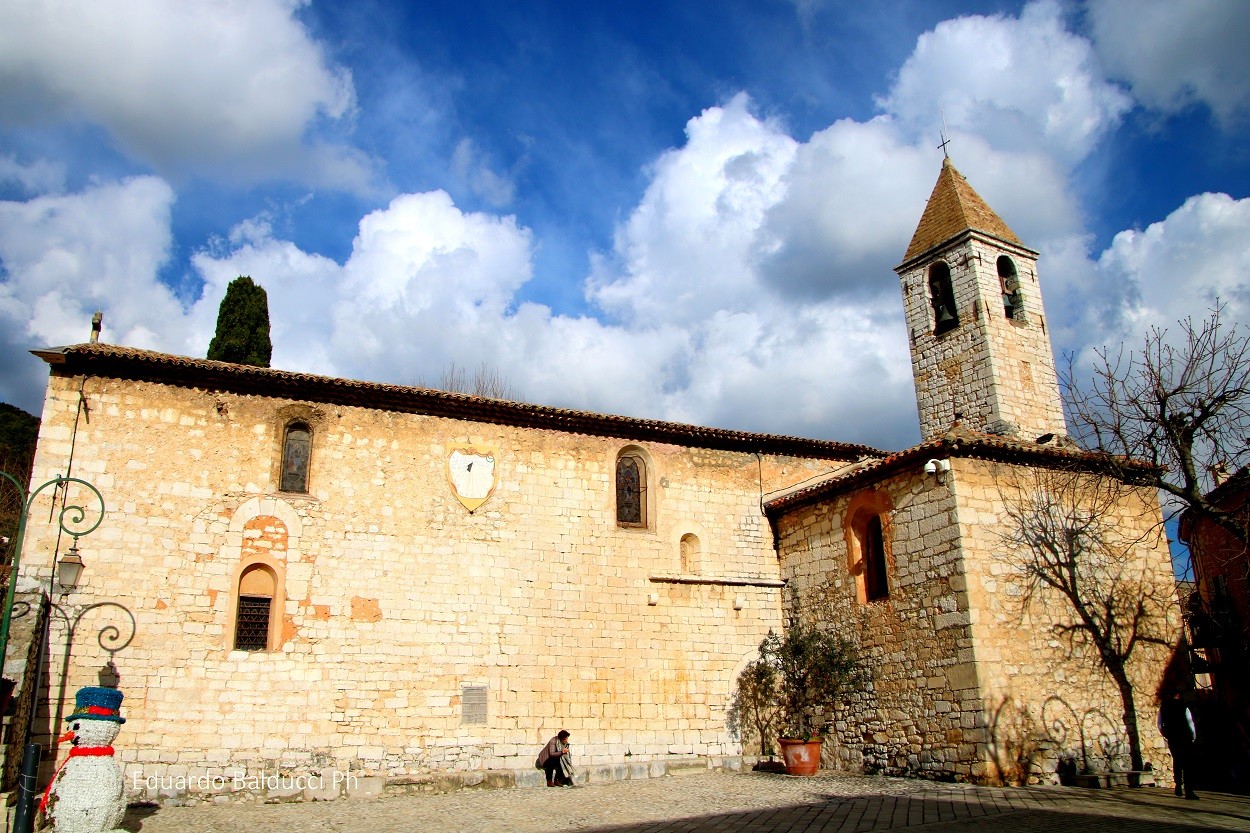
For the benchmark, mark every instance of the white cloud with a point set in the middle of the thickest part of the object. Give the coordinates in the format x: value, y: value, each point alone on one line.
x: 236, y: 88
x: 700, y: 335
x: 699, y: 255
x: 1182, y: 265
x: 751, y: 287
x: 39, y: 177
x: 1175, y: 54
x: 65, y: 257
x: 685, y: 251
x: 1025, y: 85
x: 853, y: 197
x: 470, y: 166
x: 1177, y: 268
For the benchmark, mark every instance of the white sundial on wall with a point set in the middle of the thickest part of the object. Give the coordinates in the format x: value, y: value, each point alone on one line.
x: 471, y: 471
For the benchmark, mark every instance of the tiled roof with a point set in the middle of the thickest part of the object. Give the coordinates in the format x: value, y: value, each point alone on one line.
x: 1236, y: 483
x: 1227, y: 495
x: 111, y: 361
x: 958, y: 442
x: 954, y: 207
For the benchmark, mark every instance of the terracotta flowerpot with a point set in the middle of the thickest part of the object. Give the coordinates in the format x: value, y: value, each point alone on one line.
x: 802, y: 757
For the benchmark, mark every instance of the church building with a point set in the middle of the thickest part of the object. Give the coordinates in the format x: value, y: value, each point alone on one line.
x: 399, y: 586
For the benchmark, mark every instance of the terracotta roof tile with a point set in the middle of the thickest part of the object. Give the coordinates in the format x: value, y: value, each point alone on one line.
x: 144, y: 365
x: 959, y: 442
x: 954, y: 207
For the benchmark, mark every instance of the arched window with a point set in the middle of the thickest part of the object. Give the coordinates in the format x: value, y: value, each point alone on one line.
x: 689, y: 554
x: 942, y: 297
x: 866, y: 530
x: 296, y: 450
x: 1012, y: 303
x: 872, y: 546
x: 631, y: 490
x: 253, y: 621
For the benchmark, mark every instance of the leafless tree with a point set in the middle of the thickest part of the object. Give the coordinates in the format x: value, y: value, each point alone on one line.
x: 1083, y: 570
x: 1181, y: 404
x: 486, y: 382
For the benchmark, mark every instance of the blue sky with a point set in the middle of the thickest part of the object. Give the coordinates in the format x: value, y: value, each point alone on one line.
x: 684, y: 211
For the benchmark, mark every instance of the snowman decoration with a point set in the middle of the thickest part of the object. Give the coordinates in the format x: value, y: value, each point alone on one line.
x: 85, y: 795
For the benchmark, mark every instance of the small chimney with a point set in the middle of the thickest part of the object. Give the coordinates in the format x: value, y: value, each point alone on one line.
x: 97, y: 321
x: 1219, y: 472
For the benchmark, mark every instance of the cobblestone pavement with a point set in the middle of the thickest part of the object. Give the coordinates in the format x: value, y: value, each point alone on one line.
x: 716, y: 802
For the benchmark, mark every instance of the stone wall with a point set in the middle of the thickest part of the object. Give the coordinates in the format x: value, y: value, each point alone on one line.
x: 998, y: 373
x: 1037, y: 679
x: 970, y: 679
x: 25, y: 633
x: 922, y: 710
x: 395, y: 600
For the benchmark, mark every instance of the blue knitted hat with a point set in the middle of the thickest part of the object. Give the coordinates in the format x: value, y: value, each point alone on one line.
x: 97, y: 703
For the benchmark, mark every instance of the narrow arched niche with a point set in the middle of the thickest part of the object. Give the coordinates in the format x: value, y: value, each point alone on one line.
x: 690, y: 554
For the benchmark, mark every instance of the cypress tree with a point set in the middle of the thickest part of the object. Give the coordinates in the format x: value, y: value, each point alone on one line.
x: 243, y: 325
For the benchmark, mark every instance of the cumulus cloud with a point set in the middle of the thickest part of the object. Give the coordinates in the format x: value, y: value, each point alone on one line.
x: 853, y: 196
x: 691, y: 329
x: 1177, y: 54
x: 1181, y: 266
x: 65, y: 257
x: 750, y: 287
x: 235, y: 88
x: 685, y: 251
x: 1025, y: 85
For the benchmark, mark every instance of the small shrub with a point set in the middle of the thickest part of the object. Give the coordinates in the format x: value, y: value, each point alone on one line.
x: 792, y: 688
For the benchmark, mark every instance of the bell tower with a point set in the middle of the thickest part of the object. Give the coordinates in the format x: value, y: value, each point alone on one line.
x: 980, y: 351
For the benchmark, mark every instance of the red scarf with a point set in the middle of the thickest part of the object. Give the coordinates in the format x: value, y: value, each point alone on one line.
x: 76, y: 752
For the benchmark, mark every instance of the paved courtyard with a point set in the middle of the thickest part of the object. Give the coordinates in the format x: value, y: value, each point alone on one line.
x: 722, y: 802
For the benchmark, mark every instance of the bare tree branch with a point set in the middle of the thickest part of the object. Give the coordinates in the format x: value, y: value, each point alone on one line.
x: 486, y: 382
x: 1062, y: 533
x: 1181, y: 404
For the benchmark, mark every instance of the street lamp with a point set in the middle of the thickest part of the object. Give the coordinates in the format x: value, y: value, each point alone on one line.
x: 69, y: 568
x: 71, y: 520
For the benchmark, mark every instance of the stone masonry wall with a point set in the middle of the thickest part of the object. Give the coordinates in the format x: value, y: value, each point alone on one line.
x: 999, y: 373
x: 968, y: 681
x: 25, y: 632
x: 394, y: 598
x: 922, y: 712
x: 1039, y: 686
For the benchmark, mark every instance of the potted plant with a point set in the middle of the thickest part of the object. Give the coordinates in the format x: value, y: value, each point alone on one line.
x: 792, y: 688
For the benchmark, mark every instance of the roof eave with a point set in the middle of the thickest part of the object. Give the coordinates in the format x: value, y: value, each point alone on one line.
x: 1005, y: 451
x: 140, y: 365
x: 956, y: 239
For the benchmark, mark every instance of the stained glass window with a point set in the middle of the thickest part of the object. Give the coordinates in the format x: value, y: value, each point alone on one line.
x: 631, y: 478
x: 295, y: 453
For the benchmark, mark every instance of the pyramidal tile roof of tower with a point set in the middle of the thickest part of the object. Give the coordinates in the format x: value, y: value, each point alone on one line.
x: 955, y: 207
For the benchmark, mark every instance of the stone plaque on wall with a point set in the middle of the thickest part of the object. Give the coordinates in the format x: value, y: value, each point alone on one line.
x: 472, y: 704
